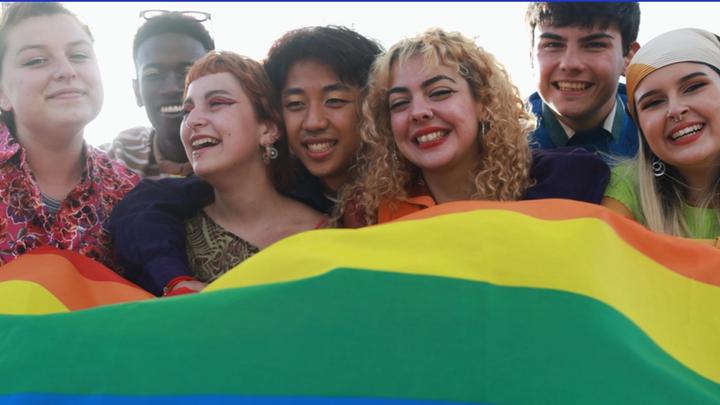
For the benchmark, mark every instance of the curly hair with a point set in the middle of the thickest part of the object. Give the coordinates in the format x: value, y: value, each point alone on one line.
x: 503, y: 165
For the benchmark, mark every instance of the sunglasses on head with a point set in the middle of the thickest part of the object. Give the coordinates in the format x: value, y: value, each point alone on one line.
x: 198, y: 16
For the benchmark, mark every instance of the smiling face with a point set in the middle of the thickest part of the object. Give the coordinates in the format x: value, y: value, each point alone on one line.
x: 221, y: 132
x: 50, y: 78
x: 433, y: 117
x: 578, y: 70
x: 161, y: 64
x: 321, y: 117
x: 678, y: 108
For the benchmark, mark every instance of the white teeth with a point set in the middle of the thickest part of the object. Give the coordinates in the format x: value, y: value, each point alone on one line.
x: 204, y: 142
x: 686, y: 131
x: 319, y: 147
x: 171, y: 109
x: 433, y: 136
x: 572, y: 86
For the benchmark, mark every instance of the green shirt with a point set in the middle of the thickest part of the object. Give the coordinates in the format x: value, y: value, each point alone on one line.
x: 702, y: 222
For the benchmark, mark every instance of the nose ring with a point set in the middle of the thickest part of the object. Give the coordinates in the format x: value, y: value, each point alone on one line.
x: 677, y: 118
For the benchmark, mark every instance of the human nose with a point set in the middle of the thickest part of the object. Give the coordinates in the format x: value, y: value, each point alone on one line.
x: 173, y: 83
x: 420, y: 111
x: 571, y: 60
x: 676, y: 109
x: 64, y: 70
x: 315, y: 120
x: 195, y: 120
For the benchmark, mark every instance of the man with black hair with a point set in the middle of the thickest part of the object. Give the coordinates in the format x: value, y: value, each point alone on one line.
x: 317, y: 74
x: 164, y: 48
x: 579, y: 52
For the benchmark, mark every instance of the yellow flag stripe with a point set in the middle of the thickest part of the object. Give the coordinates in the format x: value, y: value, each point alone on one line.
x: 583, y: 256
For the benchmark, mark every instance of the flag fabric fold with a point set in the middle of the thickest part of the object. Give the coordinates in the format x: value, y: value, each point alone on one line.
x: 475, y: 302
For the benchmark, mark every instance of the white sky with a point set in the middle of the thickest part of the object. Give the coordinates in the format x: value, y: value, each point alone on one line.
x: 250, y: 29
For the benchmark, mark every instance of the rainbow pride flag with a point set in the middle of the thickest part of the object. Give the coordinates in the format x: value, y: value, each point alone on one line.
x: 553, y: 302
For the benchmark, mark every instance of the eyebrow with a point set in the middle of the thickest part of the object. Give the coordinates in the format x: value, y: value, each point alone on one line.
x: 424, y: 84
x: 679, y: 81
x: 588, y: 38
x: 339, y: 86
x: 208, y: 95
x: 550, y: 35
x: 38, y: 46
x: 596, y: 36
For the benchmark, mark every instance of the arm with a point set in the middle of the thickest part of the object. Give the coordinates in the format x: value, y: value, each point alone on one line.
x: 148, y: 229
x: 572, y: 173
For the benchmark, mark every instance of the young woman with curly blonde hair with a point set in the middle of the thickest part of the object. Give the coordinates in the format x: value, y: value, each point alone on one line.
x: 443, y: 122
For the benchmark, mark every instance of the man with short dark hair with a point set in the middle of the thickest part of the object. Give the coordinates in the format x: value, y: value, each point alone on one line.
x: 579, y: 51
x: 164, y: 48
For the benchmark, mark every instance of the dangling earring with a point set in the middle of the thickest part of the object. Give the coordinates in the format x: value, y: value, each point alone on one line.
x: 484, y: 127
x: 270, y: 153
x: 658, y: 167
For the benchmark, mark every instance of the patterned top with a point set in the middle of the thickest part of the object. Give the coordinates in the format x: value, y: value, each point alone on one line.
x: 212, y: 250
x: 135, y: 148
x: 78, y: 225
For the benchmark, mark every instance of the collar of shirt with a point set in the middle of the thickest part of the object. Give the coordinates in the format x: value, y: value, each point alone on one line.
x: 560, y: 134
x: 10, y: 147
x: 607, y: 124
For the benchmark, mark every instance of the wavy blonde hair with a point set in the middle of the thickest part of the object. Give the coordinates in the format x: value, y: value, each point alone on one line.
x: 503, y: 165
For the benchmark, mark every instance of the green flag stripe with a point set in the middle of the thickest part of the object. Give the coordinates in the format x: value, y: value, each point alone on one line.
x: 352, y: 333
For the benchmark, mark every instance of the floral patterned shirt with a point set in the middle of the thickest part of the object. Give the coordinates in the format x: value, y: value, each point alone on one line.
x: 78, y: 225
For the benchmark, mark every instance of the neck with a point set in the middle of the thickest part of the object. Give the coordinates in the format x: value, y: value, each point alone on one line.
x: 453, y: 186
x: 590, y: 121
x: 169, y: 148
x: 242, y: 202
x: 56, y: 161
x: 332, y: 184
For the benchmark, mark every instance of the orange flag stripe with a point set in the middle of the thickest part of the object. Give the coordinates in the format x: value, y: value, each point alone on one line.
x: 690, y: 259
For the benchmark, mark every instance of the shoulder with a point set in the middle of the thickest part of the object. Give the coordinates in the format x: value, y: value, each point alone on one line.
x: 624, y: 176
x: 535, y: 103
x: 108, y: 169
x: 568, y: 172
x: 623, y: 186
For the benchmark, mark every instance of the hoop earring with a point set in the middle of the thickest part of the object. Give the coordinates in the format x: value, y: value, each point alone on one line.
x: 658, y: 167
x: 270, y: 153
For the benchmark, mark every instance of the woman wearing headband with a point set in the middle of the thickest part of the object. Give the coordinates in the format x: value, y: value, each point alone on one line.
x: 442, y: 122
x: 673, y: 186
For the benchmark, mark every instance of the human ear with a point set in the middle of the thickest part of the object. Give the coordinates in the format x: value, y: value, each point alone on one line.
x: 5, y: 104
x: 269, y: 133
x: 634, y: 47
x: 136, y: 89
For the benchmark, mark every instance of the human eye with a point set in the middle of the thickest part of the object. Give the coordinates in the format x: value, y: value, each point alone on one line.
x: 596, y: 45
x: 651, y: 103
x: 35, y: 61
x: 293, y: 105
x: 441, y: 93
x: 694, y: 86
x: 336, y: 102
x: 551, y: 45
x: 398, y: 104
x: 79, y: 56
x: 151, y: 73
x: 216, y: 102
